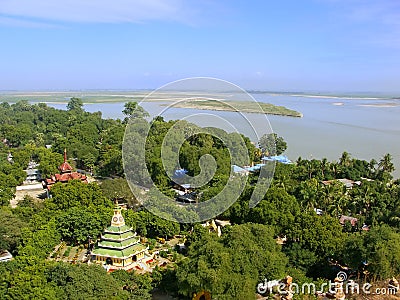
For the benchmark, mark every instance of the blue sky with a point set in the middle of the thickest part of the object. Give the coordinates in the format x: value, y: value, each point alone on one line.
x: 304, y: 45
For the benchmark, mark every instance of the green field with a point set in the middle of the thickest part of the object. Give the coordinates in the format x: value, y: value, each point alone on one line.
x: 65, y: 96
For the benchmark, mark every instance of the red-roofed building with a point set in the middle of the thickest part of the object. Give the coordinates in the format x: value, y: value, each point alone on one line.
x: 65, y: 174
x: 65, y: 166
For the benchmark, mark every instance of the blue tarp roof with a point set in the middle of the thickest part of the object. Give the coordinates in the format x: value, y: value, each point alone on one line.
x: 237, y: 169
x: 255, y: 168
x: 179, y: 173
x: 280, y: 158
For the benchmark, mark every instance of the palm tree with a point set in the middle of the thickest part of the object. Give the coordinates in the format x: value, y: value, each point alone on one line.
x: 345, y: 159
x: 334, y: 166
x: 334, y: 196
x: 335, y: 207
x: 372, y: 168
x: 309, y: 194
x: 324, y: 166
x: 385, y: 164
x: 312, y: 167
x: 282, y: 182
x: 368, y: 202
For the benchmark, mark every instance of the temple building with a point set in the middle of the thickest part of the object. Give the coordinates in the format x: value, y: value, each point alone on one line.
x: 66, y: 174
x: 119, y: 247
x: 32, y: 173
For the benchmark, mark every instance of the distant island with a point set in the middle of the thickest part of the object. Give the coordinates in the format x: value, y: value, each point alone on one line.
x: 241, y: 106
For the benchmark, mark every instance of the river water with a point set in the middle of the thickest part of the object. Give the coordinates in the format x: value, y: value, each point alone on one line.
x: 366, y: 128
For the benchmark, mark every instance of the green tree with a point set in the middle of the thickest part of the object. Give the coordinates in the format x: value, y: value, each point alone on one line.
x: 138, y: 286
x: 111, y: 162
x: 385, y: 167
x: 345, y: 160
x: 133, y: 110
x: 37, y: 242
x: 118, y: 189
x: 77, y: 223
x: 76, y: 194
x: 49, y: 161
x: 10, y: 231
x: 278, y: 209
x: 156, y: 226
x: 272, y: 144
x: 379, y: 248
x: 85, y: 282
x: 230, y: 268
x: 322, y: 236
x: 75, y: 105
x: 30, y: 283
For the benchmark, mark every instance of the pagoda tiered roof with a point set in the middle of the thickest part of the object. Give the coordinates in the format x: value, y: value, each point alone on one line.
x: 65, y: 175
x: 65, y: 166
x: 119, y: 245
x: 118, y: 229
x: 117, y: 253
x: 120, y: 237
x: 118, y: 240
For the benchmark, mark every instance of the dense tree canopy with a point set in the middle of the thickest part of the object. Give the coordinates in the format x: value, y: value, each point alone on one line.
x: 76, y: 194
x: 230, y: 268
x: 301, y: 209
x: 87, y: 137
x: 118, y: 189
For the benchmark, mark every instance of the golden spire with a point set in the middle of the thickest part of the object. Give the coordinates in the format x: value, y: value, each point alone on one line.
x: 117, y: 219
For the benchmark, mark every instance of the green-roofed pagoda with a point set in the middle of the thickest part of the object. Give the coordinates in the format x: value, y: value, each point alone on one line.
x: 119, y: 246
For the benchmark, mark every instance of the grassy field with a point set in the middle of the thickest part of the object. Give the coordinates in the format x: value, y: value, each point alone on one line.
x: 64, y: 97
x: 240, y: 106
x: 97, y: 96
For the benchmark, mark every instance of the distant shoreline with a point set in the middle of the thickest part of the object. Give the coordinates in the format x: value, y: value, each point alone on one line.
x: 380, y: 105
x: 102, y: 96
